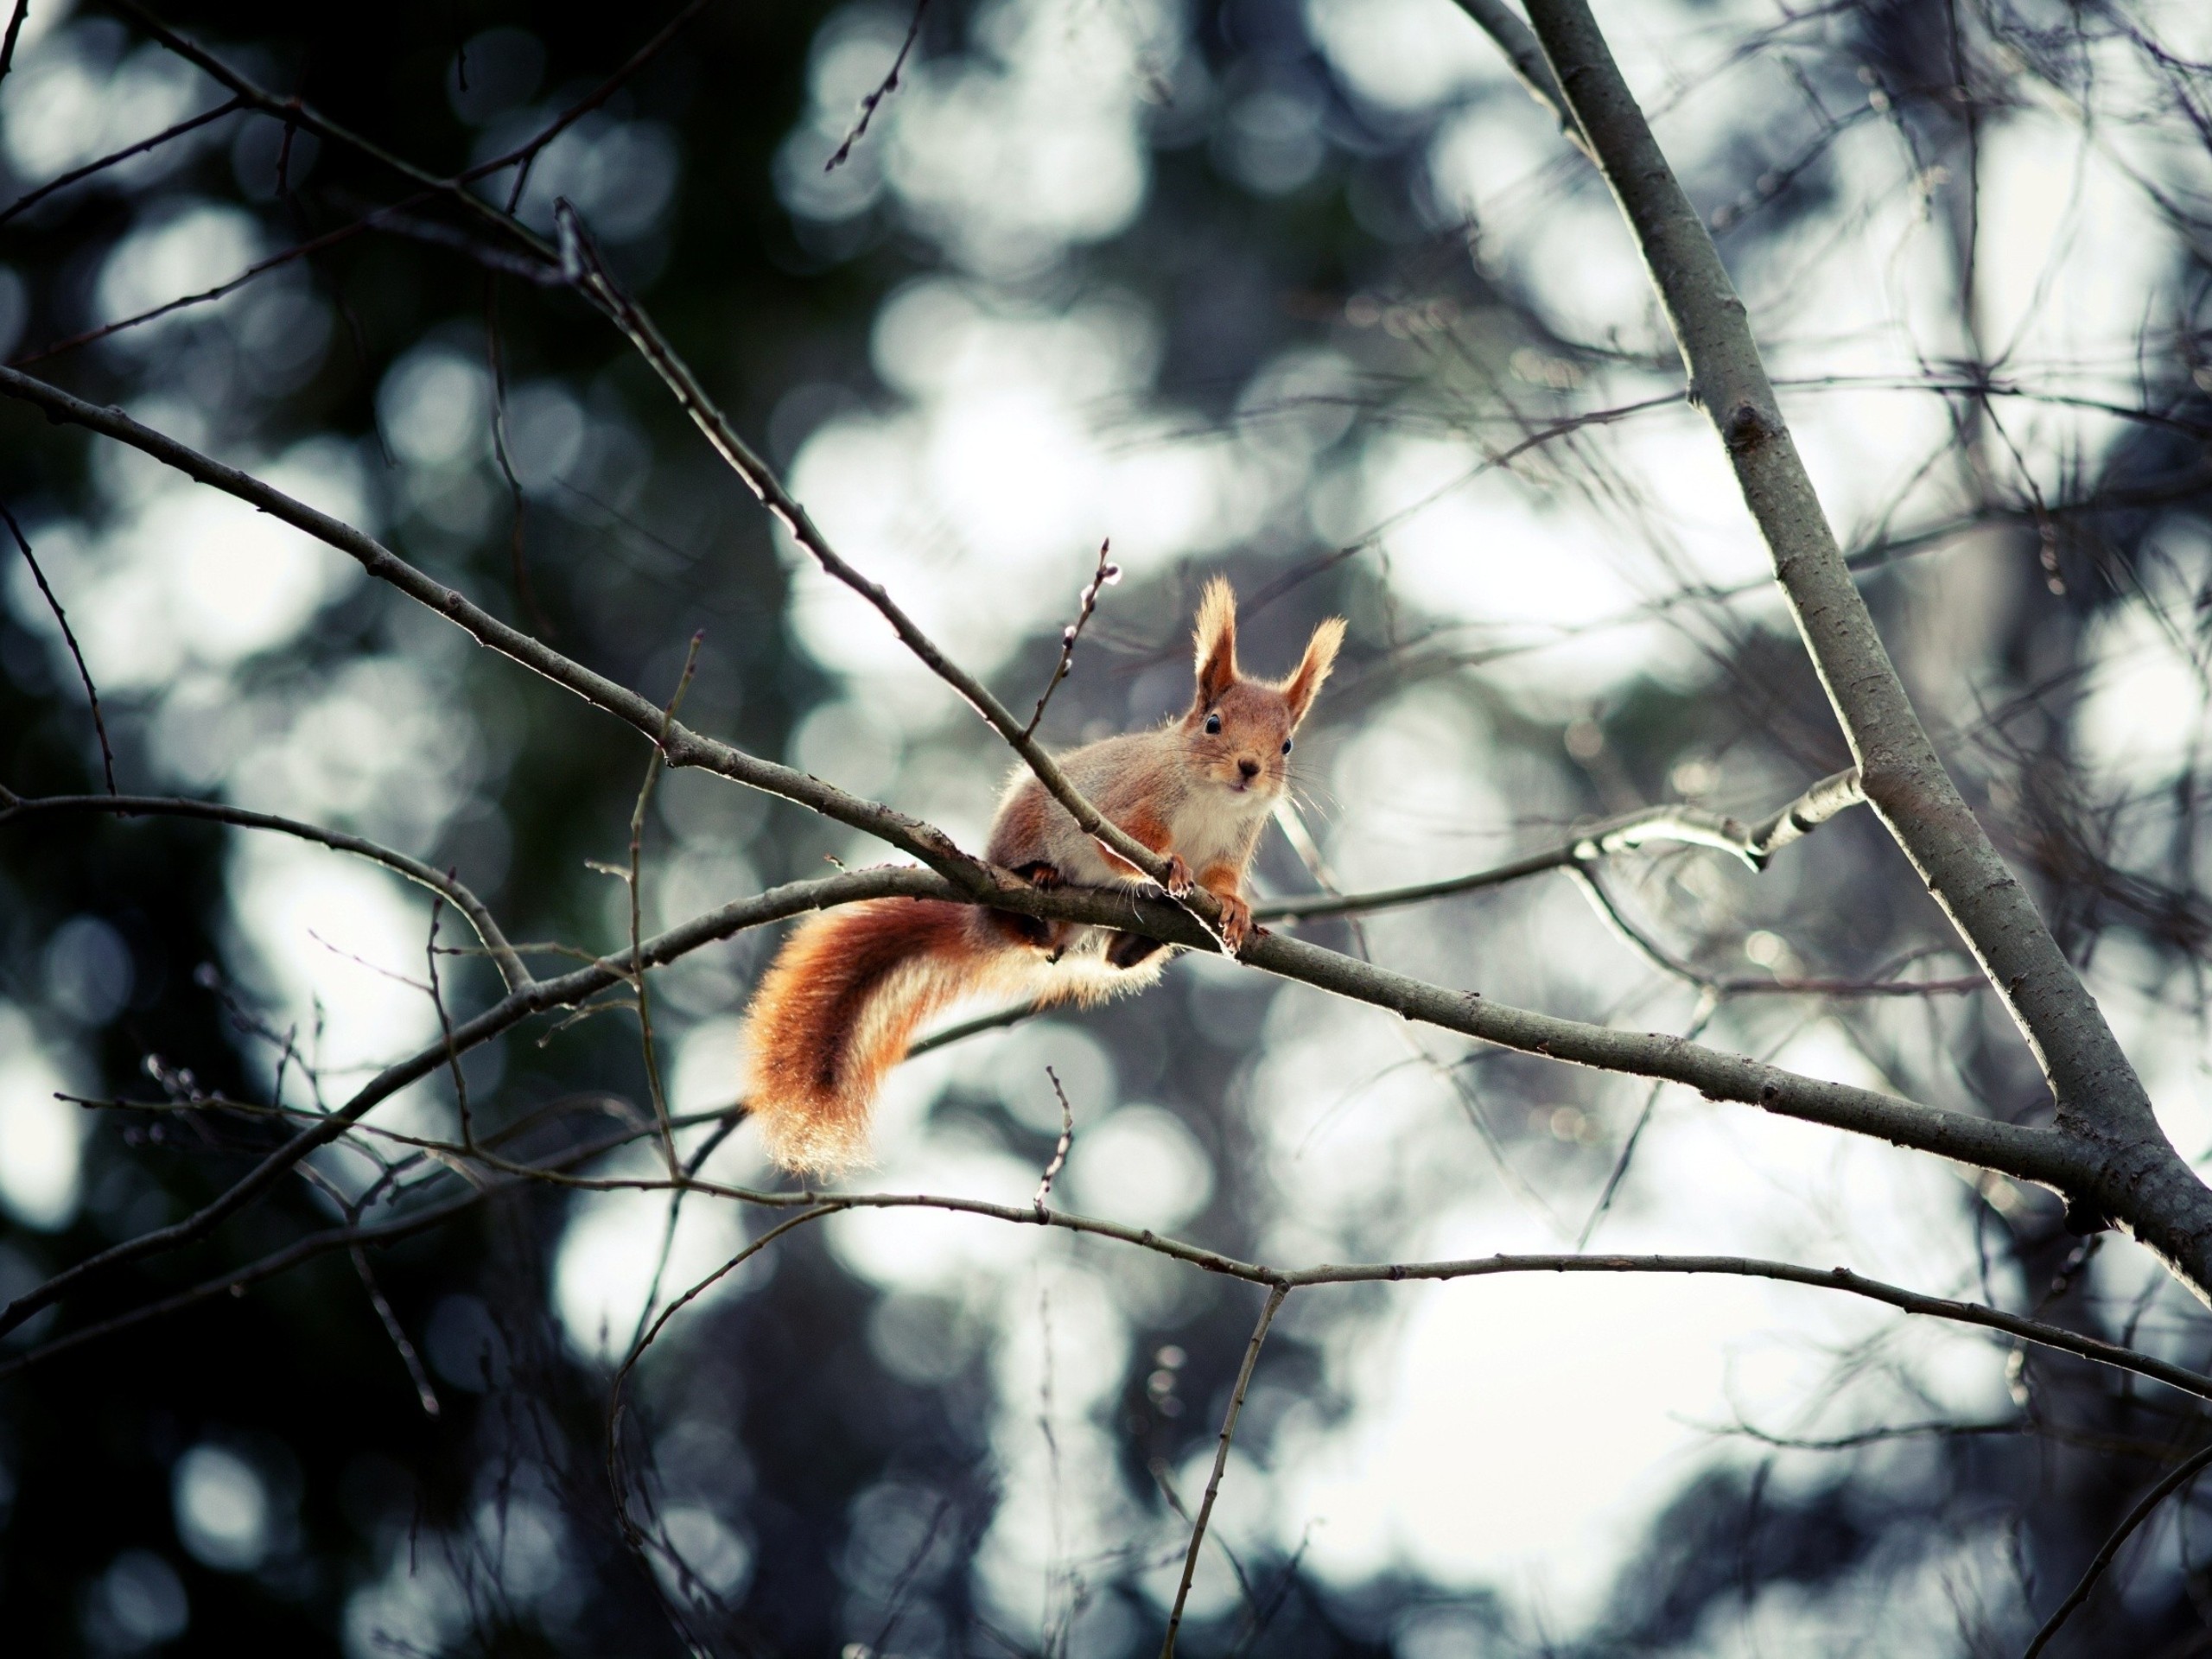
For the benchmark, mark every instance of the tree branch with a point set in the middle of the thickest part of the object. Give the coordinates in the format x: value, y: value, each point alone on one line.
x: 1690, y: 825
x: 683, y: 746
x: 1220, y: 1463
x: 534, y: 998
x: 2098, y: 1094
x: 2180, y: 1476
x: 69, y: 638
x: 438, y: 881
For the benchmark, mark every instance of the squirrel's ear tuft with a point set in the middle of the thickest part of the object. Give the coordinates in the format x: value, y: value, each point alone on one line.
x: 1303, y: 686
x: 1217, y: 641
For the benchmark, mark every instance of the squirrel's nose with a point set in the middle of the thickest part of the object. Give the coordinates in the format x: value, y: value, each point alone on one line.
x: 1249, y: 766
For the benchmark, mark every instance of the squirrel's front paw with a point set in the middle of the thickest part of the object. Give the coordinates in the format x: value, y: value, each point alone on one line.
x: 1180, y: 883
x: 1236, y: 922
x: 1039, y: 874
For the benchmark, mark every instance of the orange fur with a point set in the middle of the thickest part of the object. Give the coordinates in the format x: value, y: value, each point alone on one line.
x: 835, y: 1012
x: 1305, y: 683
x: 1216, y: 639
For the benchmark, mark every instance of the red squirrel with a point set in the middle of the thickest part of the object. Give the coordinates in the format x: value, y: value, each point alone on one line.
x: 837, y: 1008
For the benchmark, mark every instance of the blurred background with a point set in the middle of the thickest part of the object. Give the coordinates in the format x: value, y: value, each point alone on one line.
x: 1309, y: 292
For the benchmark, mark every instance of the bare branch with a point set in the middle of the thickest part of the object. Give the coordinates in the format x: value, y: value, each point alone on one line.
x: 683, y: 746
x: 1706, y: 1007
x: 1497, y: 19
x: 1060, y: 1148
x: 231, y: 285
x: 307, y: 119
x: 2097, y: 1091
x: 1104, y: 575
x: 292, y: 1255
x: 15, y: 31
x: 581, y: 259
x: 637, y: 989
x: 1688, y: 825
x: 69, y: 638
x: 874, y: 99
x: 1220, y: 1462
x: 2182, y: 1473
x: 392, y: 1328
x: 518, y: 1006
x: 442, y: 882
x: 30, y: 198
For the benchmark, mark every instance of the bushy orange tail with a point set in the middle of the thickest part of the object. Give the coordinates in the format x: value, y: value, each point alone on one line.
x: 835, y: 1011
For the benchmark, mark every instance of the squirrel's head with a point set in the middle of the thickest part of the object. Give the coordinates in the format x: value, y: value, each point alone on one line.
x: 1240, y: 730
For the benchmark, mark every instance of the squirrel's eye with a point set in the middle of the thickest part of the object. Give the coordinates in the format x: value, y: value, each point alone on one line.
x: 1213, y: 725
x: 1286, y: 746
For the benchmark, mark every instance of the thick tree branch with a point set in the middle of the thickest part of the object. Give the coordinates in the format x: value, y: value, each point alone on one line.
x: 2098, y: 1094
x: 1497, y: 20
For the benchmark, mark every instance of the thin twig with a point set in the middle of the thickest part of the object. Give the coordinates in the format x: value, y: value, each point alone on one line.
x: 874, y: 99
x: 2181, y: 1476
x: 653, y: 766
x: 442, y: 883
x: 1707, y: 1005
x: 445, y: 1026
x: 526, y: 599
x: 15, y: 31
x: 204, y: 296
x: 92, y: 695
x: 981, y: 1023
x: 684, y: 747
x: 1220, y: 1462
x: 392, y: 1328
x: 637, y: 1352
x: 1688, y: 825
x: 30, y: 198
x: 1104, y: 576
x: 534, y: 998
x: 1060, y: 1150
x: 581, y: 259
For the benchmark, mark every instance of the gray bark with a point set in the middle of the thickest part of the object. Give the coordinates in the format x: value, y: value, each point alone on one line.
x: 2133, y: 1173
